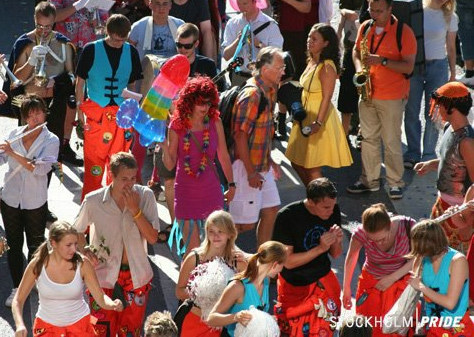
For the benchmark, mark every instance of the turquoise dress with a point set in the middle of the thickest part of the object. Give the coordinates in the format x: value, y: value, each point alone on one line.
x: 439, y: 282
x: 251, y: 297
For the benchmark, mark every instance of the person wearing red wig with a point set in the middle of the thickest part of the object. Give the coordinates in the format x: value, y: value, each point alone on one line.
x: 195, y: 136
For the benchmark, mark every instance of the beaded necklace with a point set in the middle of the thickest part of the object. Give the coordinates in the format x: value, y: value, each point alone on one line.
x: 205, y: 146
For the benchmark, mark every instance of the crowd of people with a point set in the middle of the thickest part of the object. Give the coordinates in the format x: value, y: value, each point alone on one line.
x: 218, y: 185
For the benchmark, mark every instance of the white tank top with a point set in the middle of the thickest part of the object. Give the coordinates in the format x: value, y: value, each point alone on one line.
x: 61, y: 304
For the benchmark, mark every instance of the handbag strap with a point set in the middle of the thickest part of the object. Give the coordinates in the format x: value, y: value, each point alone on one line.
x: 306, y: 100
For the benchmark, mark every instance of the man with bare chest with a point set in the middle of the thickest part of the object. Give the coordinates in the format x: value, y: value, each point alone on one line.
x: 43, y: 60
x: 123, y: 218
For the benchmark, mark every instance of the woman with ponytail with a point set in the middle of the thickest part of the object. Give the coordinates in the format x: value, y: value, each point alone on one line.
x: 249, y: 288
x: 60, y: 274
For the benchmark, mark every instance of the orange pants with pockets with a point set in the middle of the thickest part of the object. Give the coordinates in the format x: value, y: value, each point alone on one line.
x: 102, y: 139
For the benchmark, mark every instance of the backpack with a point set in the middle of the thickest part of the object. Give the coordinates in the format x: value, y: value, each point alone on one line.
x: 410, y: 13
x: 226, y: 105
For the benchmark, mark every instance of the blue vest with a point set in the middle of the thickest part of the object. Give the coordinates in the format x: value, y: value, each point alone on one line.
x: 251, y: 297
x: 439, y: 282
x: 102, y: 84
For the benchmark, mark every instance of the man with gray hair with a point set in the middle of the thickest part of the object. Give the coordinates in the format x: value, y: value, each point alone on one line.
x: 252, y: 129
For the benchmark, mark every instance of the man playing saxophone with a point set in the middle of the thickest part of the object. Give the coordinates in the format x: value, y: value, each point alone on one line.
x: 43, y: 60
x: 381, y: 115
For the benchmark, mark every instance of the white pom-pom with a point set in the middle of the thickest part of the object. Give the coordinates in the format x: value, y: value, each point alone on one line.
x: 261, y: 325
x: 207, y: 283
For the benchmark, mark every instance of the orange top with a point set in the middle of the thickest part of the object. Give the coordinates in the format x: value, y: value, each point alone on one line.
x: 386, y: 83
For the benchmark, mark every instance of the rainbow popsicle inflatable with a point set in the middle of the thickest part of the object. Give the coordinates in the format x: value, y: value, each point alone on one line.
x: 173, y: 75
x: 149, y: 120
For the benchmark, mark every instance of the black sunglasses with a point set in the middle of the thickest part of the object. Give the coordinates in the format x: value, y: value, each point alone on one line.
x: 185, y: 45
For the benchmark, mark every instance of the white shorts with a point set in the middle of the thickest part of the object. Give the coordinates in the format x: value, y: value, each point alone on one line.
x: 248, y: 201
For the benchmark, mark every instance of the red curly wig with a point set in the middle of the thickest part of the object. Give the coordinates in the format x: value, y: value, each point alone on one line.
x: 195, y: 89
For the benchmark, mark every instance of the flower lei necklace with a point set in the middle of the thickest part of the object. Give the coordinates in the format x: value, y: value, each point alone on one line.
x: 205, y: 146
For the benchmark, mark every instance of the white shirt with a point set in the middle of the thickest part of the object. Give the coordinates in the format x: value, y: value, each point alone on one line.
x: 270, y: 36
x: 25, y: 189
x: 118, y: 231
x: 435, y: 29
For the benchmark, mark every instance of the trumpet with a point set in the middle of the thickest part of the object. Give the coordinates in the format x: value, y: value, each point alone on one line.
x: 15, y: 81
x: 41, y: 79
x: 99, y: 27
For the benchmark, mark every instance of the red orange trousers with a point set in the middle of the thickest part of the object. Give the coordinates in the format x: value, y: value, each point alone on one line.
x: 102, y: 139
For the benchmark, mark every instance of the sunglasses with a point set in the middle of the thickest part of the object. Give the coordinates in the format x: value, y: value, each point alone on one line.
x: 203, y: 102
x: 185, y: 45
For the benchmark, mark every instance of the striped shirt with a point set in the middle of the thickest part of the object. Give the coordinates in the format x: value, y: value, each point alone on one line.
x: 380, y: 263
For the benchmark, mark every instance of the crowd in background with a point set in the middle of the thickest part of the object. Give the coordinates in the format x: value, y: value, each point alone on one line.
x: 79, y: 65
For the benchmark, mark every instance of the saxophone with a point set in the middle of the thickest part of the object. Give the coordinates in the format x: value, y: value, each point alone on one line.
x: 361, y: 79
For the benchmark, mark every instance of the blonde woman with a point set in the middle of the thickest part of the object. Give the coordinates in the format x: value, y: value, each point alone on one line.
x: 219, y: 242
x: 440, y: 28
x: 249, y: 288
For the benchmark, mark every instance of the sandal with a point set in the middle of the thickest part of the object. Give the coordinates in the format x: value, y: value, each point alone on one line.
x: 164, y: 235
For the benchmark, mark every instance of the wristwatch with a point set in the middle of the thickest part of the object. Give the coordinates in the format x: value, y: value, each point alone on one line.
x: 384, y: 61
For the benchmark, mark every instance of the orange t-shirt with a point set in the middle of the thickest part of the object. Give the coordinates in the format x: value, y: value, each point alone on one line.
x: 386, y: 83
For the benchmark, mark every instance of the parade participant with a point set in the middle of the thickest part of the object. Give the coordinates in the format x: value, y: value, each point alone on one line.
x: 195, y: 136
x: 40, y: 56
x: 347, y: 101
x: 306, y: 281
x: 325, y: 144
x: 386, y: 242
x: 154, y: 37
x: 464, y: 221
x: 439, y: 37
x: 451, y: 103
x: 465, y: 11
x: 81, y: 26
x: 264, y: 32
x: 197, y: 12
x: 187, y: 40
x: 105, y: 62
x: 443, y: 281
x: 60, y: 274
x: 381, y: 111
x: 156, y: 34
x: 25, y: 189
x: 249, y: 288
x: 257, y: 197
x: 124, y: 217
x: 219, y: 242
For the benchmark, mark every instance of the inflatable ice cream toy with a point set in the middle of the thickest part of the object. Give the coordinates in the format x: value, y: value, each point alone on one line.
x: 149, y: 119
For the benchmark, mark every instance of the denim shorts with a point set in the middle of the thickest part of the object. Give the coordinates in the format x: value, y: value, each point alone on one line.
x: 466, y: 31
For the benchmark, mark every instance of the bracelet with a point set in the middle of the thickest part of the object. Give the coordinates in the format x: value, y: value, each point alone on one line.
x: 232, y: 184
x: 253, y: 175
x: 136, y: 216
x: 319, y: 123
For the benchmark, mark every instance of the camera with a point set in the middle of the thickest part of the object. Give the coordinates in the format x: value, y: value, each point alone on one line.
x: 297, y: 111
x: 290, y: 95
